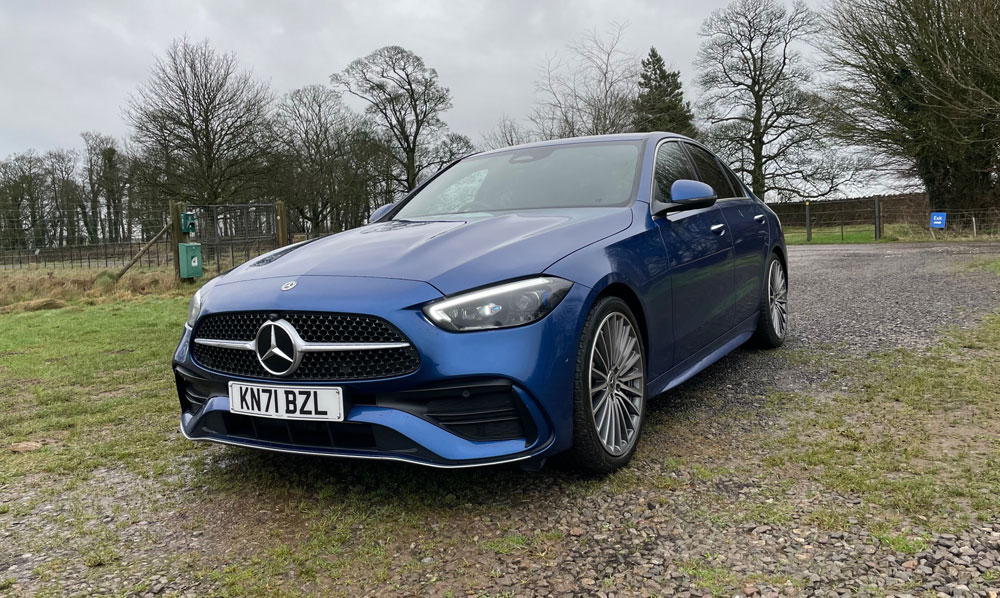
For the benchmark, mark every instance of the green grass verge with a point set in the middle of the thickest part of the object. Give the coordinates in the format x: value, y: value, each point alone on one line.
x: 865, y: 233
x: 920, y: 435
x: 91, y: 385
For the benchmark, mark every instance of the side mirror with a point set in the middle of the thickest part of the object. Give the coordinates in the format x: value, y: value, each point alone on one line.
x: 692, y: 193
x: 686, y: 194
x: 379, y: 212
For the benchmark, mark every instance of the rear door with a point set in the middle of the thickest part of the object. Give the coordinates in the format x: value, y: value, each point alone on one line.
x: 748, y: 225
x: 700, y: 254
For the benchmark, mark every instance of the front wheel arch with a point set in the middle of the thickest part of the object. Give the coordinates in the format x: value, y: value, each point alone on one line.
x: 625, y: 293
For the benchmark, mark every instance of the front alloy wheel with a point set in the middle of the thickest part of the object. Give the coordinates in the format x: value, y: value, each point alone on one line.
x: 611, y: 388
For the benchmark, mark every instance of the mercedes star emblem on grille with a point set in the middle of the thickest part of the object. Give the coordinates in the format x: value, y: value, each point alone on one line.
x: 275, y: 348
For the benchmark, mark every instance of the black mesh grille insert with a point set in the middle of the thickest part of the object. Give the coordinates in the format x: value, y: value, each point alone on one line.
x: 312, y: 327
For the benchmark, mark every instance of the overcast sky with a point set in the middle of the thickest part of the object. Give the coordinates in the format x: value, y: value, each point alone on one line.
x: 68, y: 67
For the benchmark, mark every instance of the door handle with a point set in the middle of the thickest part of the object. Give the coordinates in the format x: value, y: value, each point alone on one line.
x: 719, y: 229
x: 759, y: 218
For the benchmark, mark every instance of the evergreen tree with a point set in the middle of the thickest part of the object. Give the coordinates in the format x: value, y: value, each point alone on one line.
x: 660, y: 105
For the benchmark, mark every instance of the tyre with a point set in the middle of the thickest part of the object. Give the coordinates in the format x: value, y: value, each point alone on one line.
x: 609, y: 397
x: 772, y: 327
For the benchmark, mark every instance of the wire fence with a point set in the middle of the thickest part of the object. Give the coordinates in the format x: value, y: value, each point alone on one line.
x: 53, y: 239
x: 900, y: 218
x: 232, y: 234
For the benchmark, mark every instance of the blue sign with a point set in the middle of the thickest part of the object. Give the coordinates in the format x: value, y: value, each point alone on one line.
x: 938, y: 219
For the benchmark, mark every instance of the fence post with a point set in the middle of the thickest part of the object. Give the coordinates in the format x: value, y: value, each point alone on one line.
x: 809, y: 225
x: 878, y: 220
x: 175, y: 237
x: 281, y: 222
x: 218, y: 240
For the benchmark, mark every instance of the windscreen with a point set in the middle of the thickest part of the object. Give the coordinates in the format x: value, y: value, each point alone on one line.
x: 589, y: 175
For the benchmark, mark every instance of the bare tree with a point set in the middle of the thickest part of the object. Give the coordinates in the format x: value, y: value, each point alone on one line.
x: 591, y: 94
x: 23, y: 189
x: 507, y: 132
x: 918, y: 81
x: 757, y: 100
x: 61, y: 169
x: 406, y: 100
x: 311, y: 126
x: 96, y: 147
x: 206, y: 117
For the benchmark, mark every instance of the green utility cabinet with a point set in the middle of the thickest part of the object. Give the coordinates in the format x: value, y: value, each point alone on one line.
x: 188, y: 222
x: 190, y: 259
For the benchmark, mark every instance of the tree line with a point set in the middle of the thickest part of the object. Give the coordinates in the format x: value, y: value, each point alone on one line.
x: 800, y: 103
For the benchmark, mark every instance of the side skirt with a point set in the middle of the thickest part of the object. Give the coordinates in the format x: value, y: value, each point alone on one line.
x: 715, y: 351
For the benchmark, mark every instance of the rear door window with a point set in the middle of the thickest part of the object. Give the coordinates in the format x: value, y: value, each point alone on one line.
x: 737, y: 186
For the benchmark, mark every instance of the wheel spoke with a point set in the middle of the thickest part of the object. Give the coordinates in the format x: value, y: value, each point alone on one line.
x: 600, y: 351
x: 615, y: 434
x: 616, y: 337
x: 632, y: 360
x: 630, y: 390
x: 627, y: 352
x: 631, y: 408
x: 603, y: 419
x: 633, y: 374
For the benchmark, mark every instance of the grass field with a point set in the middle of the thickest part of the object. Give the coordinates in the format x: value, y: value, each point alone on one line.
x: 865, y: 233
x: 88, y: 420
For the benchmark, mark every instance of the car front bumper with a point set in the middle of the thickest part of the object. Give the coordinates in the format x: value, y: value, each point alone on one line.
x: 477, y: 398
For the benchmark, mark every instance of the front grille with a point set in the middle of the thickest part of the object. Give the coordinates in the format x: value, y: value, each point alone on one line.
x: 313, y: 327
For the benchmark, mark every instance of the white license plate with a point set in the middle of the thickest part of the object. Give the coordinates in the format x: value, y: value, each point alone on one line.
x: 323, y: 403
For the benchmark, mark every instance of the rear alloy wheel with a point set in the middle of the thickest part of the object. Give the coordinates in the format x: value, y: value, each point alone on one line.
x: 610, y: 394
x: 772, y: 327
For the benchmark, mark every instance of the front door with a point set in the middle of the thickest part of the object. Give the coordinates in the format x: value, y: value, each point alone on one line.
x: 700, y: 254
x: 748, y: 230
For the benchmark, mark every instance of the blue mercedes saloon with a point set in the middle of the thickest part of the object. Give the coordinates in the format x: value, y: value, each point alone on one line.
x: 523, y: 302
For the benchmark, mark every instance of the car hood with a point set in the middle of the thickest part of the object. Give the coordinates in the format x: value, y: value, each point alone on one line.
x: 453, y: 253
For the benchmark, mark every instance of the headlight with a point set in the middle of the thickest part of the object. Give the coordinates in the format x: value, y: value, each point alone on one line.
x: 502, y: 306
x: 194, y: 308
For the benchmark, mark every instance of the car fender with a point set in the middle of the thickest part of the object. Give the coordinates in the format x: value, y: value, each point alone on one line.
x: 634, y: 258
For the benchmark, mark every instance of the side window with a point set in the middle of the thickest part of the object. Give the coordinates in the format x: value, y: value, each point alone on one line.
x: 737, y: 185
x: 671, y: 164
x: 710, y: 170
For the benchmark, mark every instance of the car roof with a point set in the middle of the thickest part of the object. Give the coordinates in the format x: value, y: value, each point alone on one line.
x: 586, y: 139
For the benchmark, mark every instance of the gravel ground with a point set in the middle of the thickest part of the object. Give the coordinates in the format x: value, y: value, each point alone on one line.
x: 865, y: 297
x: 658, y: 529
